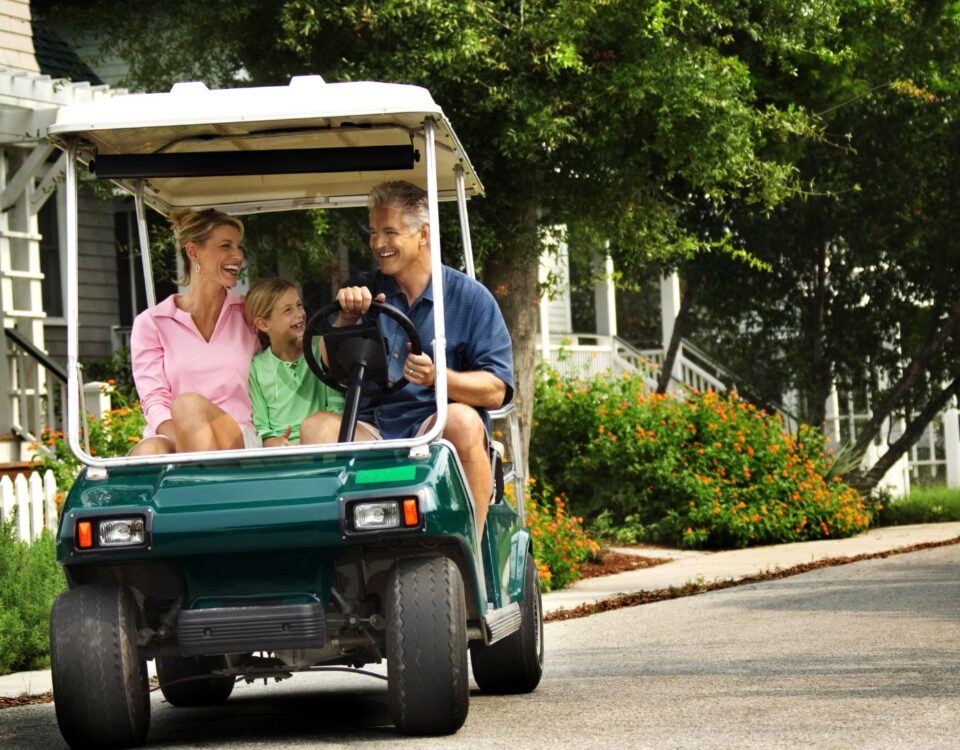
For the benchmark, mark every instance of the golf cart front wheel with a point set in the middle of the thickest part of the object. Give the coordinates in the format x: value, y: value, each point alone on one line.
x: 427, y: 677
x: 100, y: 687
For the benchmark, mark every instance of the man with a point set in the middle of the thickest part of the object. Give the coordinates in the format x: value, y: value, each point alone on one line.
x: 479, y: 352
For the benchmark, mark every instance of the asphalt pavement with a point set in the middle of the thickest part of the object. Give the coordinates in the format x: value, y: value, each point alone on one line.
x: 685, y: 567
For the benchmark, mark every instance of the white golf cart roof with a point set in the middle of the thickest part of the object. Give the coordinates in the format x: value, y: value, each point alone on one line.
x: 309, y: 143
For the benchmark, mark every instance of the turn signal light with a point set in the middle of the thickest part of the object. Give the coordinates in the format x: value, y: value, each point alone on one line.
x: 84, y: 534
x: 411, y: 517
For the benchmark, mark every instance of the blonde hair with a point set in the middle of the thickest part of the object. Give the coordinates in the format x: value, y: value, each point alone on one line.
x: 196, y: 226
x: 261, y: 299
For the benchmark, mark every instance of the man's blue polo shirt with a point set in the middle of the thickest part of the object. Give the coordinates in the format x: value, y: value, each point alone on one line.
x: 477, y: 339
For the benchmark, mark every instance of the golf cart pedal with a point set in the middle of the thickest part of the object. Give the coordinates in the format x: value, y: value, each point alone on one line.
x: 226, y: 630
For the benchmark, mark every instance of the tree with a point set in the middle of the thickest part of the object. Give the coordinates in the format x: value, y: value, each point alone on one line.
x: 612, y: 117
x: 865, y: 258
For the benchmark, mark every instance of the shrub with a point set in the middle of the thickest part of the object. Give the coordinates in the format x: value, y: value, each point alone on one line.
x: 560, y: 543
x: 117, y: 372
x: 705, y: 471
x: 113, y: 435
x: 29, y: 582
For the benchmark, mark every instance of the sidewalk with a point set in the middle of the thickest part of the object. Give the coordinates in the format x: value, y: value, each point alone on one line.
x: 686, y: 567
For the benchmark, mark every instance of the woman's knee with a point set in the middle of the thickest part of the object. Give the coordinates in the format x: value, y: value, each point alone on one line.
x: 187, y: 404
x: 153, y: 446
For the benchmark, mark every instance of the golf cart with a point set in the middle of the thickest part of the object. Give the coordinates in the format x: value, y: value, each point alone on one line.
x: 259, y: 563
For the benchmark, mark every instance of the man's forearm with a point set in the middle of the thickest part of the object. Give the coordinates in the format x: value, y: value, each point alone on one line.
x: 476, y: 388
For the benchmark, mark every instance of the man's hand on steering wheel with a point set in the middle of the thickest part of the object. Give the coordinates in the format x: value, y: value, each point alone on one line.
x: 419, y: 369
x: 354, y: 303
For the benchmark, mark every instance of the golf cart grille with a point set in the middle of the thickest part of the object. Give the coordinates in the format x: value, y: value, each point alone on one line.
x: 226, y: 630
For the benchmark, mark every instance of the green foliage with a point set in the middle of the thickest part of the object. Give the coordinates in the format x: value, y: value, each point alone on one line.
x: 113, y: 435
x: 705, y: 471
x: 922, y: 505
x: 29, y: 582
x: 116, y: 373
x: 560, y: 543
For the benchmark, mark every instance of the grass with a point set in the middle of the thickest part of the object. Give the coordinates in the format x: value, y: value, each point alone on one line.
x: 936, y: 504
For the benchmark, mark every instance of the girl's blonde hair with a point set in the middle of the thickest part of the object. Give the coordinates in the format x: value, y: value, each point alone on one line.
x: 196, y: 226
x: 261, y: 299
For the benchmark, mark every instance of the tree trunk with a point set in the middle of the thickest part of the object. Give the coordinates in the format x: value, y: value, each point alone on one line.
x: 936, y: 340
x: 910, y: 435
x: 513, y: 278
x: 679, y: 328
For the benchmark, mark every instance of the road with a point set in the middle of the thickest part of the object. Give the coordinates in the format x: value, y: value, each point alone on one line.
x: 856, y: 656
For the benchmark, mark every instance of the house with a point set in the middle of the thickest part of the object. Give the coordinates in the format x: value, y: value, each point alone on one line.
x: 34, y: 65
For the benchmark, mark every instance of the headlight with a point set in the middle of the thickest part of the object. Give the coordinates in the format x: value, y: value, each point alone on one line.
x: 395, y: 513
x: 121, y: 532
x: 383, y: 514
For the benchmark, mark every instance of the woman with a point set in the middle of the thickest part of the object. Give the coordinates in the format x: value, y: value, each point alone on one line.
x: 191, y: 352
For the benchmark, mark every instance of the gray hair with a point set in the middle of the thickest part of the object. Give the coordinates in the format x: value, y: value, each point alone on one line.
x: 407, y: 198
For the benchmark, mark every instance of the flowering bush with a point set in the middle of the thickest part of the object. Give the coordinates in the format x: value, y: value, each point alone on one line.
x: 560, y: 543
x: 705, y: 471
x: 113, y: 435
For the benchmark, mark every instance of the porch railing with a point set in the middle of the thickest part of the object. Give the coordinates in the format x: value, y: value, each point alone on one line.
x: 34, y: 404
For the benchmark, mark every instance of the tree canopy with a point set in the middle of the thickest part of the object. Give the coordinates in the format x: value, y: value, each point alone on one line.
x: 627, y: 120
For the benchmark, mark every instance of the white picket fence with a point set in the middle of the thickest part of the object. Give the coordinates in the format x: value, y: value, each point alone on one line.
x: 32, y: 501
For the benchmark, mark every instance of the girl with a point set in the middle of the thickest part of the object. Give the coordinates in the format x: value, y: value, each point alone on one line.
x: 283, y: 391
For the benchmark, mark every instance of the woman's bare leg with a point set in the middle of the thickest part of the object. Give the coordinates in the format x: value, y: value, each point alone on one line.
x: 203, y: 426
x: 153, y: 446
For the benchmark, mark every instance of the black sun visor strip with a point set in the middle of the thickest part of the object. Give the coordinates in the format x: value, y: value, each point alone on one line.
x: 280, y: 161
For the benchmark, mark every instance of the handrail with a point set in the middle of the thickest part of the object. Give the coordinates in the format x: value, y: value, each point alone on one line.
x: 49, y: 365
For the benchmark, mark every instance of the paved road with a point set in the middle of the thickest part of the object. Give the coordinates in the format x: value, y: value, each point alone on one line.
x: 857, y: 656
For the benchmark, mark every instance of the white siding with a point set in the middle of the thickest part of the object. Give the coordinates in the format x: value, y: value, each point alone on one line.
x: 16, y: 37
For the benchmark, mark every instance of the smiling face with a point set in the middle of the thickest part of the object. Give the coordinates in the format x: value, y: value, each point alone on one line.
x: 396, y: 246
x: 284, y: 324
x: 219, y: 257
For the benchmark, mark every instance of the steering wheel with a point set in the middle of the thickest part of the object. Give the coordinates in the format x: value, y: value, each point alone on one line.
x: 360, y: 344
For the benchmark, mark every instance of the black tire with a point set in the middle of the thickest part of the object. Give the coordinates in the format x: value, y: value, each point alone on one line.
x: 182, y: 684
x: 514, y: 664
x: 427, y: 677
x: 100, y: 686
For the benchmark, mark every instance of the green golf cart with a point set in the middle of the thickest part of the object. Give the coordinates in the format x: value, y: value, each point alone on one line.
x: 260, y: 563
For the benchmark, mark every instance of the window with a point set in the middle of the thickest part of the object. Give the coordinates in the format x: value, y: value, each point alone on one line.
x: 52, y: 284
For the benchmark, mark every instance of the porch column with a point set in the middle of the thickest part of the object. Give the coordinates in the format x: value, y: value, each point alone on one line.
x: 604, y: 296
x: 951, y: 445
x: 669, y: 310
x: 543, y: 305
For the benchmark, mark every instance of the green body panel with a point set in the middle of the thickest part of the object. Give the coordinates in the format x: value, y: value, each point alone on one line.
x: 270, y: 531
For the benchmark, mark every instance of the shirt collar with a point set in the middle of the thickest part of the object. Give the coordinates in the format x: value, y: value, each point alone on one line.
x: 167, y: 308
x: 391, y: 289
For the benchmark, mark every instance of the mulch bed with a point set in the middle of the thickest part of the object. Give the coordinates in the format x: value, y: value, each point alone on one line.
x: 611, y: 562
x: 25, y: 700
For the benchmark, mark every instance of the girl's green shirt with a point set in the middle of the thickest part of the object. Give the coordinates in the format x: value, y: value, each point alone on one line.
x: 283, y: 394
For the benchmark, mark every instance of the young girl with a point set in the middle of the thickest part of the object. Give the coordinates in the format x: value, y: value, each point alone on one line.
x: 283, y: 390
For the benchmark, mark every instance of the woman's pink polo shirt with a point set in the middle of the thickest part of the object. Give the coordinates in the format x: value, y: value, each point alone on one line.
x: 170, y: 357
